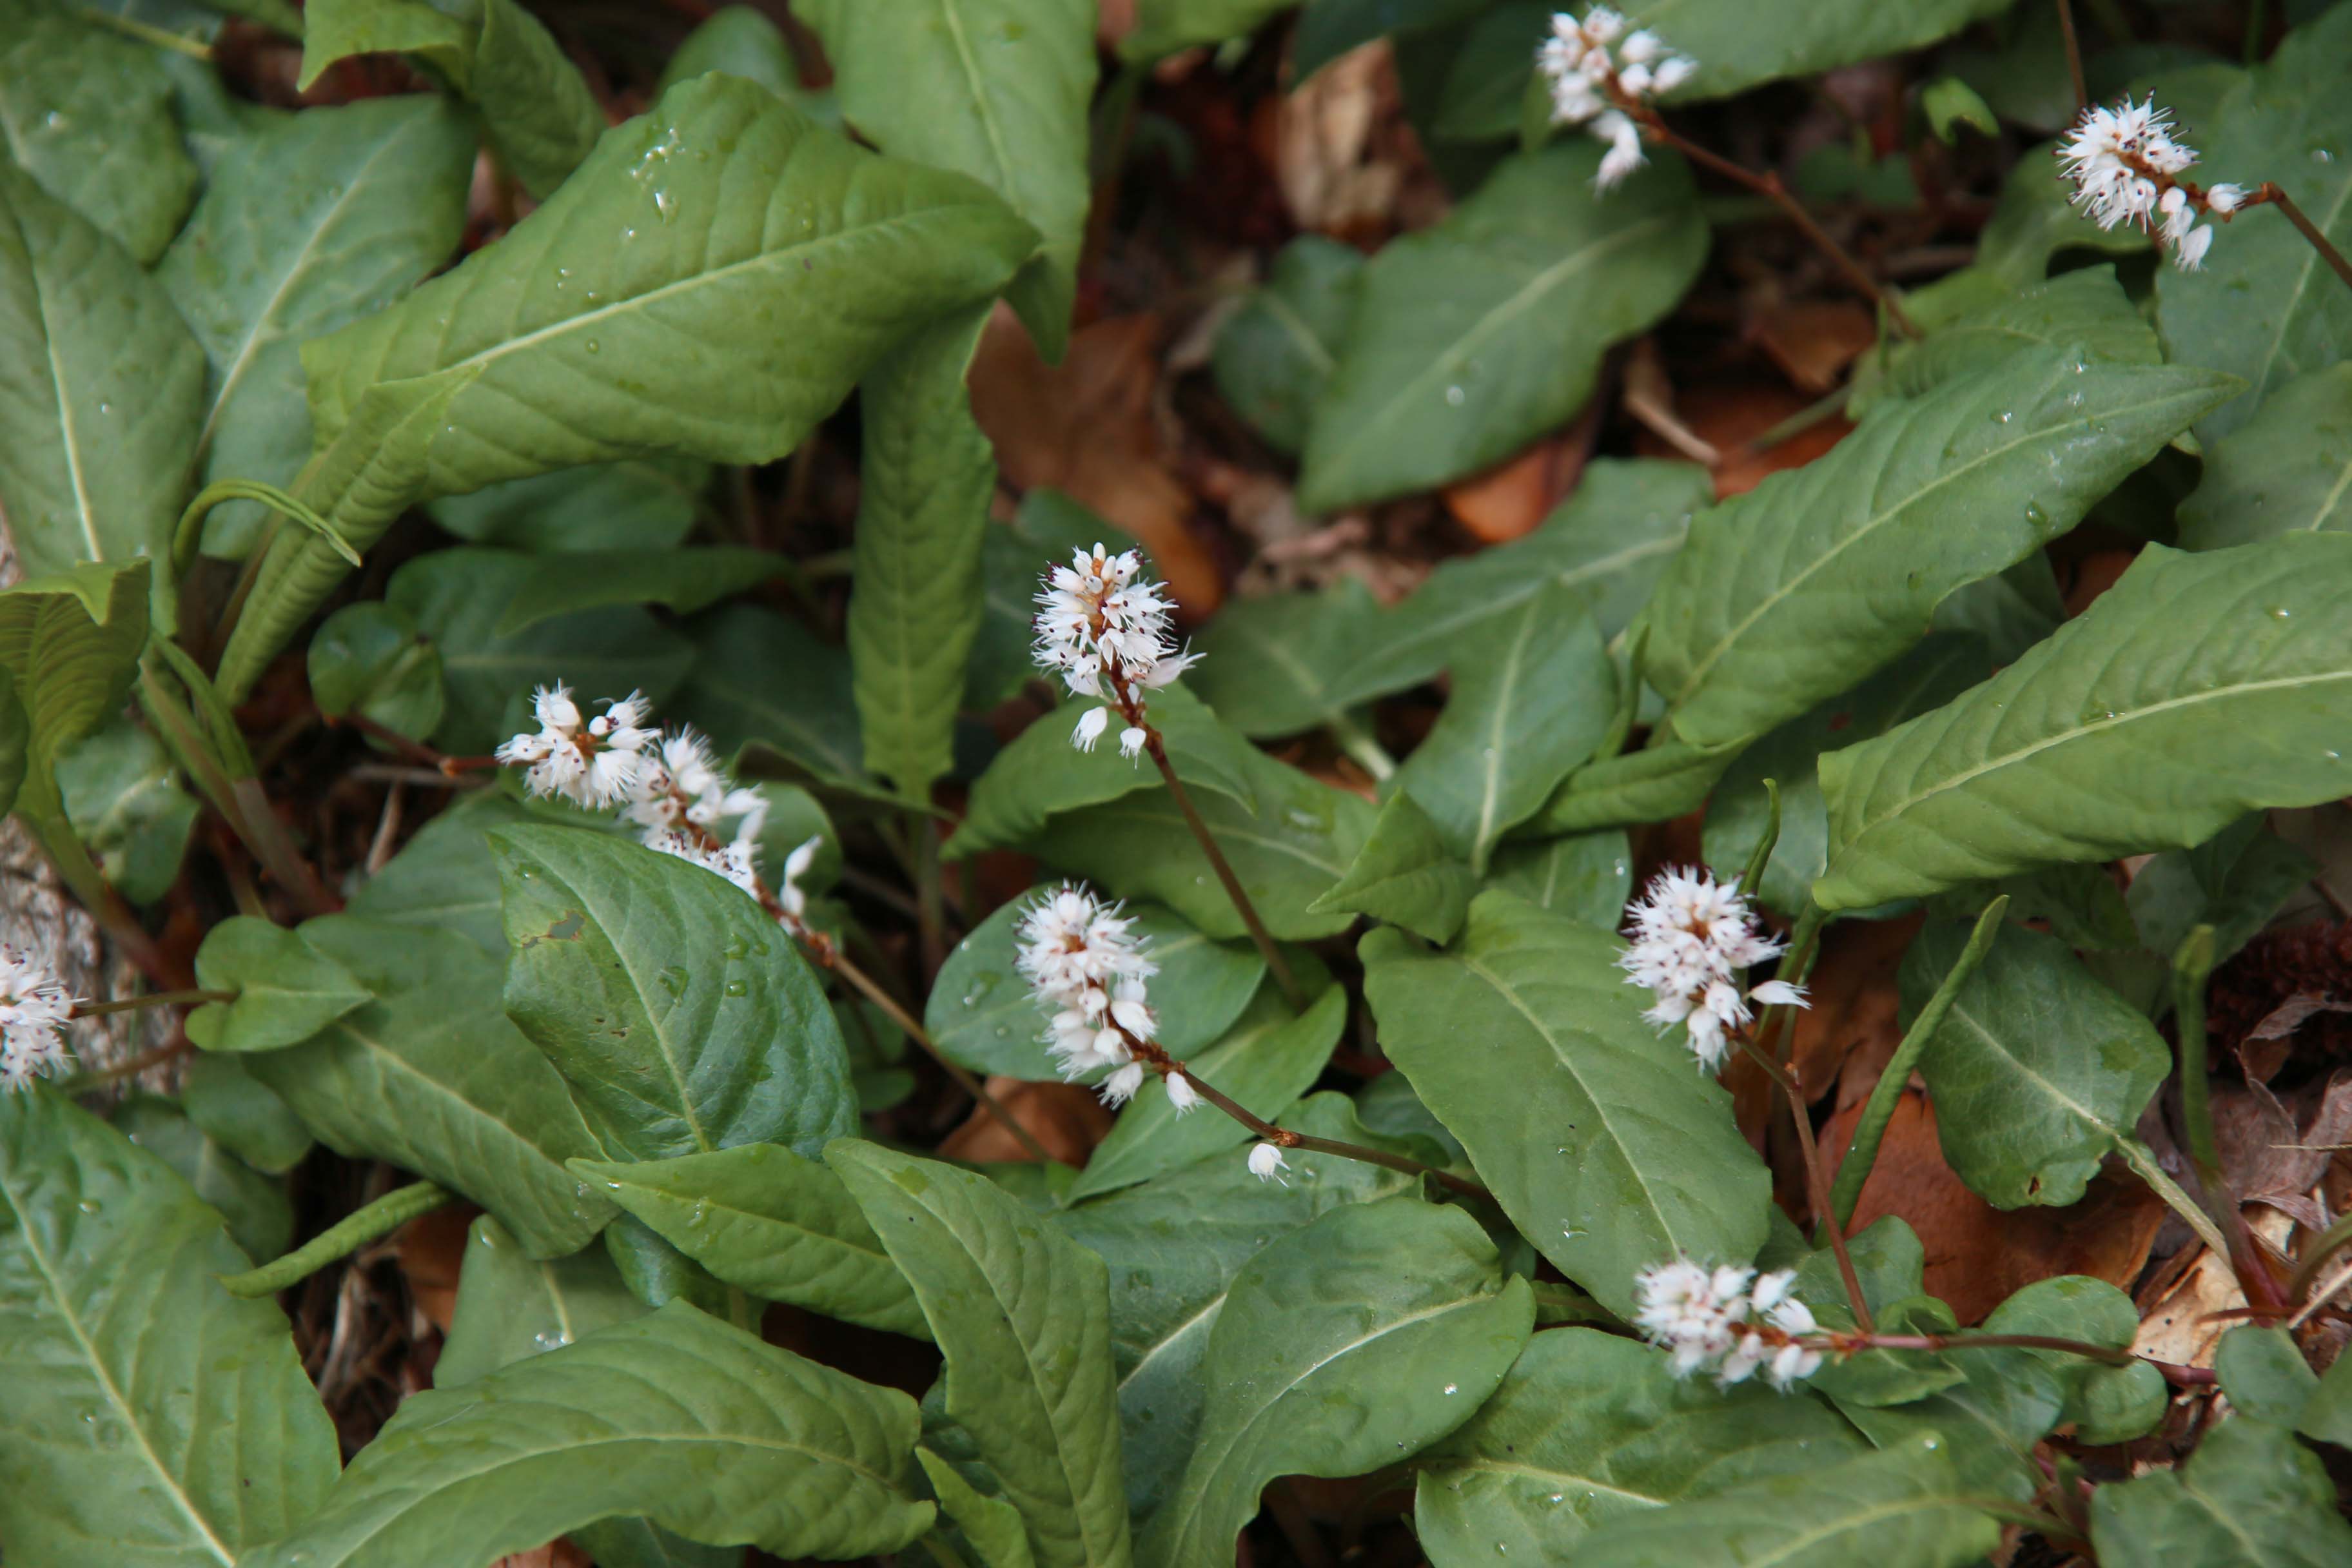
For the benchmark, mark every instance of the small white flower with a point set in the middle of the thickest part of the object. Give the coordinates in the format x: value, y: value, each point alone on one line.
x: 792, y: 895
x: 596, y: 764
x: 1691, y: 940
x: 1671, y: 73
x: 1130, y: 741
x: 1120, y: 1086
x: 1108, y: 631
x: 2121, y: 163
x: 2225, y: 199
x: 734, y: 861
x: 2190, y: 254
x: 1729, y: 1318
x: 1086, y: 971
x: 1791, y: 1364
x: 1090, y: 726
x: 1266, y: 1164
x: 1641, y: 49
x: 34, y: 1008
x: 1180, y: 1093
x: 1594, y: 86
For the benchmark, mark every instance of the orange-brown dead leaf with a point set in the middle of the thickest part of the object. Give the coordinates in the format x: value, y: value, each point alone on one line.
x: 1854, y: 1024
x: 1813, y: 341
x: 1067, y: 1119
x: 431, y: 1249
x: 1508, y: 500
x: 554, y: 1555
x: 1728, y: 416
x: 2093, y: 575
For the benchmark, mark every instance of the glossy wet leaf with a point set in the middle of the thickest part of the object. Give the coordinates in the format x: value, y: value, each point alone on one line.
x: 741, y: 40
x: 2287, y: 469
x: 287, y: 990
x: 684, y: 1019
x: 1021, y: 1313
x: 446, y: 878
x: 1606, y: 1145
x: 1473, y: 337
x: 2211, y: 684
x: 1405, y: 875
x: 2085, y: 309
x: 256, y: 1209
x: 1346, y: 1344
x: 795, y: 1457
x: 243, y: 1114
x: 1275, y: 354
x: 147, y: 1407
x: 2250, y: 1497
x: 646, y: 503
x: 511, y: 1306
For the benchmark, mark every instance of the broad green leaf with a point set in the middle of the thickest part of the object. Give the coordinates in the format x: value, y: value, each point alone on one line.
x: 2038, y: 1070
x: 991, y: 1527
x: 458, y: 601
x: 1586, y: 876
x: 1346, y: 1346
x: 679, y: 1418
x: 646, y: 503
x: 2105, y: 1403
x: 2249, y: 1497
x: 287, y: 990
x: 101, y: 393
x: 1737, y: 49
x: 2327, y: 1416
x: 1174, y: 1243
x: 1266, y: 1064
x: 87, y: 112
x: 983, y: 1015
x: 2264, y: 306
x: 2287, y: 469
x: 1999, y: 1406
x: 683, y: 578
x: 926, y: 477
x: 1164, y: 26
x: 2010, y: 611
x: 1491, y: 77
x: 561, y: 344
x: 148, y: 1409
x: 1405, y: 875
x: 1532, y: 695
x: 1283, y: 663
x: 124, y: 798
x: 641, y: 1543
x: 370, y: 658
x: 1820, y: 575
x: 1605, y: 1144
x: 2264, y: 1373
x: 1738, y: 811
x: 322, y: 217
x: 16, y: 741
x: 763, y: 1219
x: 1908, y: 1504
x: 683, y: 1019
x: 760, y: 678
x: 259, y: 1213
x: 537, y: 109
x: 1889, y: 1261
x: 2234, y: 882
x: 1665, y: 779
x: 70, y: 644
x: 2085, y: 309
x: 2214, y: 683
x: 1473, y: 337
x: 1275, y: 353
x: 511, y: 1306
x: 1021, y: 1314
x: 1041, y: 776
x: 1588, y: 1427
x: 446, y: 878
x: 658, y: 1273
x: 1329, y: 28
x: 741, y: 41
x: 1301, y: 837
x: 243, y: 1114
x: 994, y: 89
x: 434, y: 1079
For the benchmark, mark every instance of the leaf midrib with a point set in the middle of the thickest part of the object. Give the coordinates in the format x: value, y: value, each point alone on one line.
x: 84, y: 511
x: 2057, y: 1096
x: 1490, y: 787
x: 2307, y: 267
x: 384, y: 1054
x: 1224, y: 831
x: 640, y: 986
x: 1536, y: 1472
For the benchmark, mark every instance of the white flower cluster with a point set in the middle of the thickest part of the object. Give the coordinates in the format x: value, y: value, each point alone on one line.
x: 682, y: 796
x: 1730, y: 1319
x: 34, y: 1008
x: 2122, y: 163
x: 1105, y: 629
x: 1597, y: 70
x: 1087, y: 971
x: 595, y: 763
x: 1691, y: 940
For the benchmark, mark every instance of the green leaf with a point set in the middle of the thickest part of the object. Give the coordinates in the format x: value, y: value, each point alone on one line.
x: 2085, y: 309
x: 537, y: 109
x: 2250, y: 1497
x: 458, y: 601
x: 256, y: 1210
x: 994, y: 89
x: 763, y: 1219
x: 983, y: 1015
x: 70, y: 643
x: 681, y: 578
x: 1736, y: 49
x: 1929, y: 676
x: 1999, y: 1404
x: 1889, y: 1261
x: 991, y: 1527
x: 1275, y: 354
x: 2010, y: 611
x: 2287, y: 469
x: 1532, y: 695
x: 797, y: 1458
x: 2213, y: 681
x: 927, y: 474
x: 2105, y: 1403
x: 511, y: 1306
x: 2264, y: 1374
x: 2234, y: 882
x: 1491, y: 78
x: 1174, y: 1244
x: 1041, y: 776
x: 1329, y: 28
x: 147, y: 1408
x: 741, y: 41
x: 1349, y: 1344
x: 287, y: 990
x: 2264, y: 306
x: 2327, y: 1414
x: 758, y: 677
x: 1473, y: 337
x: 1021, y: 1314
x: 2035, y: 218
x: 563, y: 345
x: 101, y: 393
x: 124, y: 798
x: 322, y: 217
x: 1786, y: 595
x: 446, y: 878
x: 2038, y: 1070
x: 1665, y: 779
x: 433, y: 1078
x: 87, y: 112
x: 668, y: 1052
x: 1909, y: 1504
x: 1590, y: 1428
x: 1405, y: 875
x: 1164, y: 26
x: 16, y: 741
x: 1950, y: 103
x: 1300, y: 839
x: 369, y: 658
x: 243, y: 1114
x: 1266, y: 1064
x: 1586, y: 876
x: 1606, y: 1146
x: 648, y: 503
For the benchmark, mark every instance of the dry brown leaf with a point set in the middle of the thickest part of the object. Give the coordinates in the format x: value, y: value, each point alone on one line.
x: 1508, y: 500
x: 2185, y: 1322
x: 1978, y: 1256
x: 431, y: 1249
x: 1727, y: 417
x: 1853, y: 1024
x: 1066, y: 1119
x: 2273, y: 1147
x: 554, y: 1555
x: 1813, y: 341
x: 1329, y: 157
x: 2093, y: 575
x: 1086, y: 428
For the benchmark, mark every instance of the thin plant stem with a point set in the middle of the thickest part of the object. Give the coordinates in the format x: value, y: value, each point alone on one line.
x: 147, y: 33
x: 2190, y: 965
x: 2143, y: 1165
x: 187, y: 998
x: 171, y: 1050
x: 2073, y: 55
x: 1274, y: 961
x: 1367, y: 752
x: 1817, y: 1182
x: 382, y: 1217
x: 2269, y: 193
x: 930, y: 896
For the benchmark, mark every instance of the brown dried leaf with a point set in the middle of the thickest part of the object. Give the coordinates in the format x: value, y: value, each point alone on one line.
x: 1508, y: 500
x: 2273, y: 1146
x: 1339, y: 175
x: 554, y: 1555
x: 2185, y: 1322
x: 1067, y: 1119
x: 1813, y: 341
x: 1854, y: 1024
x: 430, y: 1250
x: 1728, y: 415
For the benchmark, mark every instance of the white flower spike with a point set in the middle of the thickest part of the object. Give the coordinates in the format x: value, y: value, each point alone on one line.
x: 1266, y: 1164
x: 1596, y: 86
x: 34, y: 1008
x: 1105, y: 629
x: 1691, y: 940
x: 1086, y: 971
x: 595, y: 764
x: 1729, y: 1319
x: 2122, y: 163
x: 682, y: 797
